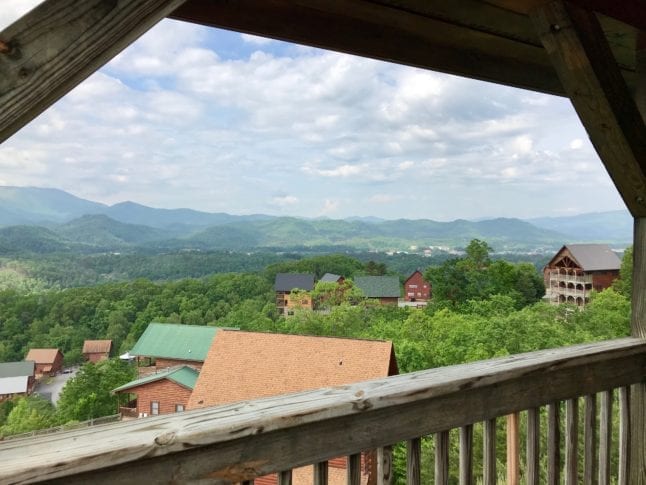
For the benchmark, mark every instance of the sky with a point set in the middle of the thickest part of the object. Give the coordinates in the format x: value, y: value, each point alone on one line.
x: 217, y: 121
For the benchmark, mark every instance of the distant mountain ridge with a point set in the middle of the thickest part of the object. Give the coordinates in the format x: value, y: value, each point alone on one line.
x: 74, y: 224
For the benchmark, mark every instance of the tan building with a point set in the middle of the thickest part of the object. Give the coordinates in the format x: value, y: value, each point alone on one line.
x: 97, y: 350
x: 578, y: 269
x: 48, y: 361
x: 242, y: 366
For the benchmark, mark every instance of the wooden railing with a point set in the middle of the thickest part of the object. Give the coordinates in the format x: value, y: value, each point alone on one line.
x: 239, y: 442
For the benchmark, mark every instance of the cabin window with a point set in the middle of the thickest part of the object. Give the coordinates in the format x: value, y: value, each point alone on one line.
x: 154, y: 408
x: 179, y: 408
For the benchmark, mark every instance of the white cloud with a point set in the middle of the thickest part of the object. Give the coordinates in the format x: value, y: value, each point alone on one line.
x: 173, y: 122
x: 255, y: 39
x: 284, y: 200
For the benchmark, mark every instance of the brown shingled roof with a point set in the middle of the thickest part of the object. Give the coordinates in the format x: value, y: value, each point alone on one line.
x: 250, y: 365
x: 97, y: 346
x: 42, y: 356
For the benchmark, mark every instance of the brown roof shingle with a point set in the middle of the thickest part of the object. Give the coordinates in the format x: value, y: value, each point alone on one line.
x: 97, y: 346
x: 250, y: 365
x: 42, y: 356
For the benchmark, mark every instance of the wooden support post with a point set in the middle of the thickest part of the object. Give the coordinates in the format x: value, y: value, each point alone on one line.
x: 354, y: 469
x: 320, y: 473
x: 489, y: 452
x: 623, y: 472
x: 60, y: 43
x: 413, y: 454
x: 553, y: 444
x: 513, y: 454
x: 576, y: 44
x: 638, y: 323
x: 442, y: 458
x: 605, y: 437
x: 590, y: 440
x: 466, y: 455
x: 385, y: 465
x: 533, y: 446
x: 571, y: 441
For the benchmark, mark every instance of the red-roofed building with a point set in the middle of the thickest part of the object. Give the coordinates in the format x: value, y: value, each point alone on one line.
x: 97, y: 350
x: 242, y: 366
x: 48, y: 361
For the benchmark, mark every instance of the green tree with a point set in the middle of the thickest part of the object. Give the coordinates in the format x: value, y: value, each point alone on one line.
x: 624, y: 284
x: 29, y: 414
x: 88, y: 394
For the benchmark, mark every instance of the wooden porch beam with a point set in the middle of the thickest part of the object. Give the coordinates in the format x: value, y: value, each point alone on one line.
x: 574, y: 40
x: 57, y: 45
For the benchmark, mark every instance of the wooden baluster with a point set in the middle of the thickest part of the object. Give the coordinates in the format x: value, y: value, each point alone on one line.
x: 605, y: 437
x: 533, y: 446
x: 590, y: 440
x: 489, y: 460
x: 247, y: 482
x: 354, y: 469
x: 442, y: 458
x: 571, y: 441
x: 466, y: 455
x: 413, y: 453
x: 553, y: 444
x: 513, y: 455
x: 385, y: 465
x: 285, y: 477
x: 624, y: 436
x: 320, y: 473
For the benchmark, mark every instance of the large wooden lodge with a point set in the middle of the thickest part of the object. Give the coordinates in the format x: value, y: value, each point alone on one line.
x: 592, y: 51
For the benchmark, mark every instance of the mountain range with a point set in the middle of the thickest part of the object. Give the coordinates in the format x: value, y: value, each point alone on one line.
x: 51, y: 220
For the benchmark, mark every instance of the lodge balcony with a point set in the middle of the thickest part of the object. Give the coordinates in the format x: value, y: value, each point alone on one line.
x: 572, y: 395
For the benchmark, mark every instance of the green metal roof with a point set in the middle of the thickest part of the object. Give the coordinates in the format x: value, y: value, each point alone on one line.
x: 378, y: 286
x: 173, y: 341
x: 184, y: 376
x: 15, y: 369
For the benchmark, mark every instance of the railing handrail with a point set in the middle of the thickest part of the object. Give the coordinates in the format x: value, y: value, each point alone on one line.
x: 243, y: 440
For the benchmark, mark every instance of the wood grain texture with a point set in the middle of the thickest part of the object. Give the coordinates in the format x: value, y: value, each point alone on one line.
x: 244, y: 440
x: 575, y: 42
x: 553, y: 444
x: 624, y: 436
x: 442, y: 458
x: 466, y: 455
x: 354, y: 469
x: 59, y: 44
x: 385, y: 465
x: 533, y: 446
x: 489, y: 476
x: 513, y: 449
x: 572, y: 441
x: 590, y: 456
x: 413, y: 461
x: 605, y: 437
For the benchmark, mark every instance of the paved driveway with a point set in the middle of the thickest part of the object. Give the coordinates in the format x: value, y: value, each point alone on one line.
x: 50, y: 387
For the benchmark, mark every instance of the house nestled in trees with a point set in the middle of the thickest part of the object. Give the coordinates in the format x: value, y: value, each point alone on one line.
x: 578, y: 269
x: 416, y: 288
x: 97, y: 350
x: 241, y: 366
x: 48, y: 361
x: 285, y: 287
x: 383, y: 288
x: 163, y: 392
x: 16, y: 379
x: 164, y: 345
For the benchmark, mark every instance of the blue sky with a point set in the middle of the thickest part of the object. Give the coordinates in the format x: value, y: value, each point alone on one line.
x: 218, y: 121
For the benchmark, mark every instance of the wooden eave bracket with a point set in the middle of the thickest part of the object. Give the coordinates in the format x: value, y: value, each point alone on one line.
x: 47, y: 52
x: 580, y: 54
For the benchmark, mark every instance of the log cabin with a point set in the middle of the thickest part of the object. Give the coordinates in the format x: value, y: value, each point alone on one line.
x: 591, y: 51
